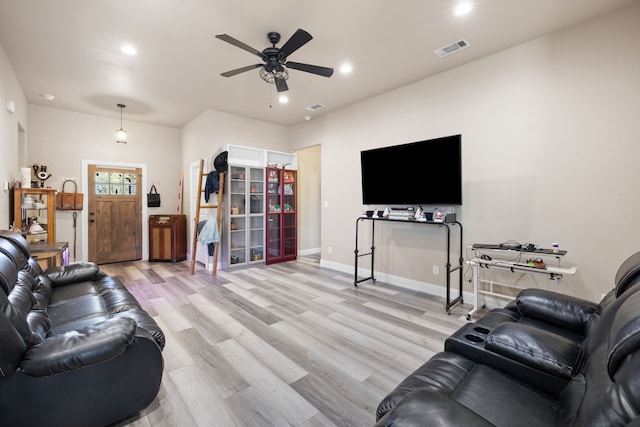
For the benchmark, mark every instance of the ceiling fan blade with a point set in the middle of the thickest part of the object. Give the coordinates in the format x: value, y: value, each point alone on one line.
x: 281, y: 85
x: 241, y: 70
x: 238, y: 43
x: 297, y: 40
x: 314, y: 69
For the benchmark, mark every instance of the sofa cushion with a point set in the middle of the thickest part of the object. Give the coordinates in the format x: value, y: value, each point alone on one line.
x: 72, y: 291
x: 442, y: 373
x: 537, y: 348
x: 488, y: 392
x: 439, y: 410
x: 479, y: 388
x: 624, y: 337
x: 8, y: 275
x: 16, y: 239
x: 76, y: 313
x: 13, y: 252
x: 12, y: 345
x: 627, y: 274
x: 79, y: 348
x: 72, y: 273
x: 556, y: 309
x: 21, y: 301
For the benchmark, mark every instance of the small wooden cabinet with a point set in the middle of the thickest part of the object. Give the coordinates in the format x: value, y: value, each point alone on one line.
x: 282, y: 219
x: 33, y: 206
x: 167, y: 238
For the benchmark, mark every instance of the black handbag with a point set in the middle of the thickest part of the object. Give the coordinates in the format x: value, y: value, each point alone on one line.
x: 153, y: 198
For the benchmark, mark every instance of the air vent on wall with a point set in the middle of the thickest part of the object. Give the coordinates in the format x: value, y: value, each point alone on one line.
x: 453, y: 47
x: 314, y: 107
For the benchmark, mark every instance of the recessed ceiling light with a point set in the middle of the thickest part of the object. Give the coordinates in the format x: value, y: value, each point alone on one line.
x: 463, y: 8
x: 346, y: 68
x: 283, y: 99
x: 129, y: 50
x: 48, y: 96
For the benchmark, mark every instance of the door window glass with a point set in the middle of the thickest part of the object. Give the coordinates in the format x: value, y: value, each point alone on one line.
x: 115, y: 183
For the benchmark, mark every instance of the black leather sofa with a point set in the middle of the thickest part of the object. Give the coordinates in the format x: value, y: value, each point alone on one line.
x: 546, y: 359
x: 76, y: 348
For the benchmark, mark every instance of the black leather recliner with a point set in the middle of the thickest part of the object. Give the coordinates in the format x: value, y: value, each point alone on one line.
x: 76, y: 348
x: 561, y: 314
x: 533, y: 368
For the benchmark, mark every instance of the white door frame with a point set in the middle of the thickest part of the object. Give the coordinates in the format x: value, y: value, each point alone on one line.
x: 85, y: 204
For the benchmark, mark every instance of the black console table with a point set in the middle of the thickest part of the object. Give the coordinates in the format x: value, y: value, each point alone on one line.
x: 448, y: 270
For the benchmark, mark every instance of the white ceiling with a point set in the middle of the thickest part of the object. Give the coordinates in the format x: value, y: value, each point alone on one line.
x: 71, y: 49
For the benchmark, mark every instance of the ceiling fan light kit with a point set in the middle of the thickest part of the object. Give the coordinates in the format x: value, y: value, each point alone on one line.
x: 274, y: 69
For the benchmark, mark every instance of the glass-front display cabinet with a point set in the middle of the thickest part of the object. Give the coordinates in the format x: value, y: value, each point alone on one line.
x: 34, y: 214
x: 243, y: 233
x: 282, y: 220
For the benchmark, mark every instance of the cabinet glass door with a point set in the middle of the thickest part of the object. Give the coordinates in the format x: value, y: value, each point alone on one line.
x: 289, y: 220
x: 256, y: 214
x: 237, y: 221
x: 237, y: 190
x: 274, y: 207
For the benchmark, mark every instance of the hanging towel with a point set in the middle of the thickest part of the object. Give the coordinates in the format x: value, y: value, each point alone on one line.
x: 208, y: 233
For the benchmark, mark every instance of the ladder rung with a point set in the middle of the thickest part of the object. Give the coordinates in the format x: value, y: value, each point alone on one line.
x: 209, y: 207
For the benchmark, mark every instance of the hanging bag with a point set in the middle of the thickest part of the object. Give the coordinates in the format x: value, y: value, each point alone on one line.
x: 153, y: 198
x: 69, y: 201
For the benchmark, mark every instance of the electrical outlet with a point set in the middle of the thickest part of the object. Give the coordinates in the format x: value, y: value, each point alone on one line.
x: 330, y: 249
x: 436, y: 270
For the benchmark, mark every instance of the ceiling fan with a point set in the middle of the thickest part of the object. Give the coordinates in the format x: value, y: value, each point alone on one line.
x: 274, y: 69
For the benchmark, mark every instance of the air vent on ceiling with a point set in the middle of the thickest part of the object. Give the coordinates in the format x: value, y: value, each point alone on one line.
x: 314, y: 107
x: 453, y: 47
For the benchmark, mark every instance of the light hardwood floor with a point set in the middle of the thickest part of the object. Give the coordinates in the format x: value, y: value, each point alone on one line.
x: 290, y: 344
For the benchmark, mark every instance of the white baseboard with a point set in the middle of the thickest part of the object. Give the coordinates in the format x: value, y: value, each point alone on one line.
x: 403, y: 282
x: 311, y: 251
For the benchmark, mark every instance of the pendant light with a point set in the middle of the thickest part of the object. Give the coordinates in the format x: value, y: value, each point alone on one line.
x: 121, y: 134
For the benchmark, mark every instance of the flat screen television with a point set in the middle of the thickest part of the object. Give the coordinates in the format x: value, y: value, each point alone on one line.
x: 420, y: 173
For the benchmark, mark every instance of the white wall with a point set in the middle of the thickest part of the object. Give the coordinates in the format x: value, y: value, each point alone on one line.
x: 10, y: 90
x: 550, y: 142
x: 61, y: 139
x: 309, y: 205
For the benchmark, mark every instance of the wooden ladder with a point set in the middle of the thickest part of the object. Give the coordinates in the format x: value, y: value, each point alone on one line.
x: 199, y: 194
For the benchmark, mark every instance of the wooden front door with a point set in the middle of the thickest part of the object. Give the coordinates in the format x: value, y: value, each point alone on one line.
x: 115, y: 214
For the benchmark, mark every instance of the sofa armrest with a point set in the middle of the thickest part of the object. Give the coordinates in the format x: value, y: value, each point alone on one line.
x: 537, y: 348
x: 72, y: 273
x: 557, y: 309
x: 440, y: 410
x: 76, y: 349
